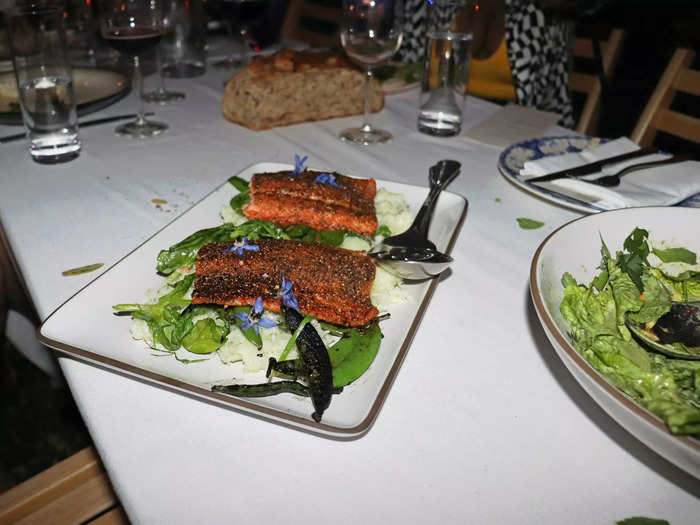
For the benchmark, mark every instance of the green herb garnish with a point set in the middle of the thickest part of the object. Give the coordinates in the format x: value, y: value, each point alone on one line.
x: 529, y: 224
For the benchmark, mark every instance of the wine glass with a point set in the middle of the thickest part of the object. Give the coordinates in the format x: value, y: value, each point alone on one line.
x: 371, y: 33
x: 161, y: 95
x: 239, y: 14
x: 133, y: 27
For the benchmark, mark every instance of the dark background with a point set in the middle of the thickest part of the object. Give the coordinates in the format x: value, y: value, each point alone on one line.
x: 654, y: 31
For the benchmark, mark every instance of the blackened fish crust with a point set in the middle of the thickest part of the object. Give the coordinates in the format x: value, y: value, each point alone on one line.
x: 332, y: 284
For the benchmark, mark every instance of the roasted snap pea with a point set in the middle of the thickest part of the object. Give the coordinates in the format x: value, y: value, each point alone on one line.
x: 264, y: 389
x: 317, y: 364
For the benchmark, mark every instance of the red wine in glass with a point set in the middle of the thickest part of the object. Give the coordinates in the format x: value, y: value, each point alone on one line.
x: 132, y: 41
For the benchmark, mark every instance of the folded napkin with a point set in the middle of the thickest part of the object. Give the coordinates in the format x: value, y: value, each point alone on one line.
x: 663, y: 185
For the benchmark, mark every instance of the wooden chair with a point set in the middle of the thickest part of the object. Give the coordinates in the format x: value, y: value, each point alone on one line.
x: 314, y: 22
x: 76, y: 490
x: 589, y: 83
x: 657, y: 115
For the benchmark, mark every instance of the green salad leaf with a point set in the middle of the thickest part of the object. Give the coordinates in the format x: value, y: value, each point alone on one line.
x: 668, y: 387
x: 635, y: 256
x: 676, y: 255
x: 206, y: 336
x: 529, y: 224
x: 641, y: 520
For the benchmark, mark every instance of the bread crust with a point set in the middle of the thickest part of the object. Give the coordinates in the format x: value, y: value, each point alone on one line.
x: 290, y: 87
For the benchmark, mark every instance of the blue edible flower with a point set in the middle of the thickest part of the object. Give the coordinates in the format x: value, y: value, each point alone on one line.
x: 299, y: 164
x: 328, y: 178
x: 287, y: 294
x: 254, y: 318
x: 242, y: 246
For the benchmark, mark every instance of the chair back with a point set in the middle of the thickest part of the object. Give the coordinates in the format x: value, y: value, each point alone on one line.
x: 589, y: 83
x: 76, y: 490
x: 315, y: 22
x: 657, y: 115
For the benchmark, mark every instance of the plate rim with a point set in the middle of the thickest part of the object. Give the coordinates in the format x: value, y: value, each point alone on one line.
x: 614, y: 392
x: 241, y: 404
x: 543, y: 193
x: 10, y: 118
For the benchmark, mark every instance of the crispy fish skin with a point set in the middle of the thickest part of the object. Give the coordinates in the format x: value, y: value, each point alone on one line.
x: 304, y: 185
x: 332, y: 284
x: 287, y: 199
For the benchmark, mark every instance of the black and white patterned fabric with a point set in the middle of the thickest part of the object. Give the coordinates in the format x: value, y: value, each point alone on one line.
x: 538, y: 52
x: 413, y: 43
x: 539, y: 56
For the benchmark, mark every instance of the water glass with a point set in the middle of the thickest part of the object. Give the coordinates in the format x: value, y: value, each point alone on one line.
x: 446, y: 69
x: 45, y: 82
x: 184, y: 39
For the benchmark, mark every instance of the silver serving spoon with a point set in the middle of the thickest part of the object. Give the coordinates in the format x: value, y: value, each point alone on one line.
x: 676, y: 333
x: 410, y: 254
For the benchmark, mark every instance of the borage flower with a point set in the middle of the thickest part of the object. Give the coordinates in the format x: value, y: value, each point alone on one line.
x: 328, y: 178
x: 287, y: 294
x: 299, y: 164
x: 254, y: 318
x: 242, y: 246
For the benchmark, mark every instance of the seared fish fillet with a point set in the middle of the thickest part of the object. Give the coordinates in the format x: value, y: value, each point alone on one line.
x: 287, y: 199
x: 332, y: 284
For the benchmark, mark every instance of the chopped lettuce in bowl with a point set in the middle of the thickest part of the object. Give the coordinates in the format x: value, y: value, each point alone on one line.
x: 584, y: 280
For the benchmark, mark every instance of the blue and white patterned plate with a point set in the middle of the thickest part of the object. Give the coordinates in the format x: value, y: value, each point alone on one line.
x: 513, y: 158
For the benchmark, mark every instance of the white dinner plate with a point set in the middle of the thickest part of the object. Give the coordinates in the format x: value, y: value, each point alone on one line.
x: 513, y: 158
x: 87, y: 328
x: 94, y: 89
x: 575, y: 248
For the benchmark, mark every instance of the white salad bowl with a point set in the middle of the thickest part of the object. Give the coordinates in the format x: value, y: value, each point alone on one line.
x: 575, y: 248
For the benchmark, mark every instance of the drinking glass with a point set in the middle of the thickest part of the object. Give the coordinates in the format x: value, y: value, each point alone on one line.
x: 239, y: 14
x: 371, y: 33
x: 446, y: 70
x: 44, y: 77
x: 133, y: 27
x: 161, y: 95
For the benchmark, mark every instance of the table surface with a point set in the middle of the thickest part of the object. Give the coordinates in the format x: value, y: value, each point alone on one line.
x: 483, y: 424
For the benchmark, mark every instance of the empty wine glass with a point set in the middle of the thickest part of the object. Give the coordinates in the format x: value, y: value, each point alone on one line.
x: 371, y: 33
x: 133, y: 27
x: 161, y: 95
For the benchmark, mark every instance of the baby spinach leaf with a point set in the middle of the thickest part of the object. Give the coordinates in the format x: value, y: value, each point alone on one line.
x: 640, y: 520
x: 239, y: 183
x: 529, y: 224
x: 184, y: 253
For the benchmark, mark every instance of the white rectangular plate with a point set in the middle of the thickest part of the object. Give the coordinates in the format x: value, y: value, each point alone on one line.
x: 87, y: 328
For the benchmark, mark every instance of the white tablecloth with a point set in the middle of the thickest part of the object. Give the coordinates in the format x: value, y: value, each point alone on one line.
x: 483, y: 425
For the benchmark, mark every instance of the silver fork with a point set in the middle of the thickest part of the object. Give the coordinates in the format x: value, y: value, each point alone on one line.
x: 613, y: 180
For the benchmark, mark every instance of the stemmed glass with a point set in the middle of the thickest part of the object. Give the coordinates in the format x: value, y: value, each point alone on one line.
x: 238, y: 14
x: 161, y: 95
x: 133, y: 27
x: 371, y: 33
